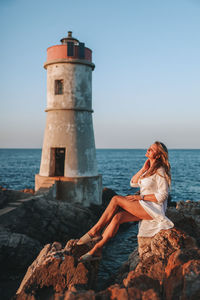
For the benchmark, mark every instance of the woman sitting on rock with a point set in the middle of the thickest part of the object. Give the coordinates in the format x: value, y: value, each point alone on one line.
x: 148, y: 207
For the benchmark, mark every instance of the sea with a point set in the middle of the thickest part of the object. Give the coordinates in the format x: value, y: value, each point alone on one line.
x: 19, y: 166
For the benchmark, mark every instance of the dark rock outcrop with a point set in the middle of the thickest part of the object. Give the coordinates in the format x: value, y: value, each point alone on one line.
x: 47, y: 220
x: 186, y: 216
x: 166, y: 266
x: 17, y: 251
x: 15, y: 248
x: 30, y: 222
x: 10, y: 196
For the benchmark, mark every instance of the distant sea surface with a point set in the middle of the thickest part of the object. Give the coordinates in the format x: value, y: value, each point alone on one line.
x: 19, y: 166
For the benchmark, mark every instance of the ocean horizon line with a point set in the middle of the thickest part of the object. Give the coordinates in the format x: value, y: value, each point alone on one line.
x: 136, y: 148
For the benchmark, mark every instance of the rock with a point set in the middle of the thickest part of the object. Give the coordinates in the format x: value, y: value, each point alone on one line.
x: 47, y: 220
x: 126, y: 267
x: 155, y: 253
x: 166, y: 265
x: 182, y: 275
x: 17, y: 251
x: 28, y: 191
x: 186, y: 216
x: 3, y: 199
x: 164, y: 244
x: 133, y: 259
x: 36, y: 221
x: 142, y: 282
x: 56, y: 271
x: 69, y: 295
x: 169, y: 263
x: 7, y: 196
x: 117, y: 292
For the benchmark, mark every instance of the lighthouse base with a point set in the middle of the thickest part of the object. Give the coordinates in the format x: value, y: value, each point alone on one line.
x: 82, y: 190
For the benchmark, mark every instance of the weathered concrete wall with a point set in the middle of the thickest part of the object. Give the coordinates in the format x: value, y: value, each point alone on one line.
x: 72, y: 130
x: 77, y: 86
x: 83, y: 190
x: 69, y: 125
x: 69, y: 121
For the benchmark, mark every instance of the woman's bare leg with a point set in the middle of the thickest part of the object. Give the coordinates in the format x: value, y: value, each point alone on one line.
x: 133, y: 207
x: 110, y: 231
x: 104, y: 219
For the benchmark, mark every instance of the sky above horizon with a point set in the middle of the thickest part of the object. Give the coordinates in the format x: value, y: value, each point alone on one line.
x: 146, y: 83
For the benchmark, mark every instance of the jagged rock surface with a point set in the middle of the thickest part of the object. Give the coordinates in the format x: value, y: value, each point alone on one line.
x: 7, y: 196
x: 186, y: 216
x: 56, y: 271
x: 166, y: 266
x: 15, y: 248
x: 47, y: 220
x: 35, y: 221
x: 182, y: 275
x: 155, y: 254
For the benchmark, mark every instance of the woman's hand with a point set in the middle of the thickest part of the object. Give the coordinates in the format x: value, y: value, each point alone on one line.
x: 146, y: 165
x: 133, y: 197
x: 136, y: 177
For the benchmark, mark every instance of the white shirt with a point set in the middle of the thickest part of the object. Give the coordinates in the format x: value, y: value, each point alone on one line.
x: 157, y: 185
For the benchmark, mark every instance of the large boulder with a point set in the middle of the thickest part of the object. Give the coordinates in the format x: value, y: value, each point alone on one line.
x: 57, y: 271
x: 169, y: 265
x: 47, y: 220
x: 182, y: 275
x: 165, y: 266
x: 17, y: 251
x: 7, y: 196
x: 186, y: 216
x: 30, y: 222
x: 168, y: 262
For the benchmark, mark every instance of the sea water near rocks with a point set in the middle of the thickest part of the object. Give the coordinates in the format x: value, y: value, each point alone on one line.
x: 19, y: 166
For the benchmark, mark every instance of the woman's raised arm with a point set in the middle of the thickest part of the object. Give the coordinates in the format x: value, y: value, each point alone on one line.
x: 135, y: 178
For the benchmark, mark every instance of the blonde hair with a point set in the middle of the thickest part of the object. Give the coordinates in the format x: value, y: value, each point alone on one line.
x: 161, y: 161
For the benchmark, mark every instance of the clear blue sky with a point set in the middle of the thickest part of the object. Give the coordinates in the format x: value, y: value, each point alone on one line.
x: 146, y: 84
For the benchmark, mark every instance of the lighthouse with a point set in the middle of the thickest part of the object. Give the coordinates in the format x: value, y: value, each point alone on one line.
x: 68, y: 161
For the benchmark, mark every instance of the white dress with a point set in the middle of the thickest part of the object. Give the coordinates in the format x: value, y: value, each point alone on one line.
x: 157, y: 185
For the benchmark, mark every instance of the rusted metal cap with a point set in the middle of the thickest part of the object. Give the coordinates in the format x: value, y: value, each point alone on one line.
x: 69, y: 38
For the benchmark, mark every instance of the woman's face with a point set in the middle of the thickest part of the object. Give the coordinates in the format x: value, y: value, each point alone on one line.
x: 152, y: 151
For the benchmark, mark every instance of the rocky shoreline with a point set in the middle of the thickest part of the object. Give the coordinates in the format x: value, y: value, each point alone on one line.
x: 166, y: 266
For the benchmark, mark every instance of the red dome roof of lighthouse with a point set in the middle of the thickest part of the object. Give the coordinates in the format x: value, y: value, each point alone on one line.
x: 70, y: 49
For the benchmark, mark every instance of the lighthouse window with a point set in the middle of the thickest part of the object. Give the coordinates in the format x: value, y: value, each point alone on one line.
x: 70, y: 49
x: 58, y: 87
x: 81, y: 50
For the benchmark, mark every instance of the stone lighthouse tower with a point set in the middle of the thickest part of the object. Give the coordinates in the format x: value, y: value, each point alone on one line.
x: 68, y: 163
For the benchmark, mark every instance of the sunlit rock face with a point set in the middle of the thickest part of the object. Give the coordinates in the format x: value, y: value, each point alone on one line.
x: 165, y: 266
x: 57, y: 271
